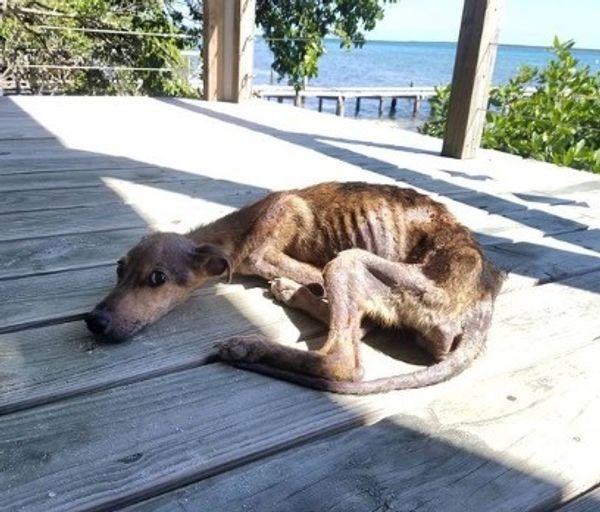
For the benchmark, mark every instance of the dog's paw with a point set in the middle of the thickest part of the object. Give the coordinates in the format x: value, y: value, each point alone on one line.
x: 242, y: 348
x: 284, y: 289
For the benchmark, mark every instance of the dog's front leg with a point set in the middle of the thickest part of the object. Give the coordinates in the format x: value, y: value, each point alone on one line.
x: 271, y: 263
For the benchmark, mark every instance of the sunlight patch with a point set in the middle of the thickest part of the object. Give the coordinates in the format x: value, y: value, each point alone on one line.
x: 164, y: 210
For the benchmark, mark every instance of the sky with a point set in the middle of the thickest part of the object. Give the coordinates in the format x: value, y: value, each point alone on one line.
x: 527, y: 22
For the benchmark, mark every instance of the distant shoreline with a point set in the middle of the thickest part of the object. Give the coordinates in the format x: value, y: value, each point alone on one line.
x: 453, y: 43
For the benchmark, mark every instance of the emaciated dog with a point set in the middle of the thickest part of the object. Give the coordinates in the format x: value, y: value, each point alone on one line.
x: 341, y: 252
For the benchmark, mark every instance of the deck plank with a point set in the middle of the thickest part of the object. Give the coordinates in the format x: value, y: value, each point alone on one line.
x: 98, y: 192
x: 60, y: 161
x: 588, y: 502
x: 20, y: 258
x: 53, y: 362
x: 485, y: 449
x: 21, y: 225
x: 102, y: 425
x: 107, y: 448
x: 79, y: 177
x: 36, y: 370
x: 567, y: 367
x: 24, y: 225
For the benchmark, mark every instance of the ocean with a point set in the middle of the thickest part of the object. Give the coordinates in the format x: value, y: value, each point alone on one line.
x: 384, y: 63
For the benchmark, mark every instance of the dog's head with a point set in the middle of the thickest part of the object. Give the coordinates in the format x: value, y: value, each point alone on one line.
x: 152, y: 278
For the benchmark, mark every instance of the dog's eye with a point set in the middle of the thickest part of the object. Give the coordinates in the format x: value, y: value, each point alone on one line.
x: 120, y: 269
x: 156, y: 278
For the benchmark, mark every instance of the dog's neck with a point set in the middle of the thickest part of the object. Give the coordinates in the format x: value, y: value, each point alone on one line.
x: 230, y: 232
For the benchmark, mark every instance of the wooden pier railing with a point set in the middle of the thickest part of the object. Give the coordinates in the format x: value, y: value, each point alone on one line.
x: 341, y: 94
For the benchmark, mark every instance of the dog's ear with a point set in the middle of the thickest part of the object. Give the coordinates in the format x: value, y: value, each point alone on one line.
x: 213, y: 260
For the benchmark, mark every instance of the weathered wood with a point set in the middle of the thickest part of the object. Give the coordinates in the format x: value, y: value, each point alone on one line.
x: 23, y: 225
x: 228, y: 49
x: 20, y: 258
x: 54, y: 351
x: 542, y: 261
x: 53, y: 362
x: 97, y: 191
x: 61, y: 161
x: 473, y: 451
x: 78, y: 178
x: 588, y: 502
x: 339, y: 106
x: 533, y: 326
x: 416, y: 106
x: 473, y: 70
x: 154, y: 205
x: 530, y: 399
x: 278, y: 91
x: 36, y: 300
x: 106, y: 449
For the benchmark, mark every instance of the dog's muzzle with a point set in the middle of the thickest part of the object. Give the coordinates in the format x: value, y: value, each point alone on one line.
x: 97, y: 321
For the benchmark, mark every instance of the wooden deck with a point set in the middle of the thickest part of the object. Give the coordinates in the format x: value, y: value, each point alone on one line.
x: 149, y: 425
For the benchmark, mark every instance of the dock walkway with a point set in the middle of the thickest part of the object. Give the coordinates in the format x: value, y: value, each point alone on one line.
x: 341, y: 94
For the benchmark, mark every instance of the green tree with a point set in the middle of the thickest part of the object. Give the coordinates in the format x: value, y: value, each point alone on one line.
x: 294, y: 31
x: 25, y: 42
x: 558, y: 122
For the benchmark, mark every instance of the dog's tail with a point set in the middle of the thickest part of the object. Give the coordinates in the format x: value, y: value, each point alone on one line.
x: 468, y: 348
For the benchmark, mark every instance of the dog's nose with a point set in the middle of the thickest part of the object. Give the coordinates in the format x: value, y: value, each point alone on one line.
x: 97, y: 322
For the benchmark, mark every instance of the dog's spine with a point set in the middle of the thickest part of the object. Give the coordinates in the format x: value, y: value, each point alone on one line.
x: 469, y: 347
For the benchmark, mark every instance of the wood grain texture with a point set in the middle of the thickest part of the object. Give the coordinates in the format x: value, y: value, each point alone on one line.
x: 541, y: 261
x: 49, y: 363
x: 44, y: 468
x: 23, y: 225
x: 107, y: 448
x: 485, y: 448
x: 472, y: 76
x: 98, y: 192
x: 59, y: 160
x: 19, y: 258
x: 78, y: 177
x: 588, y: 502
x: 122, y: 423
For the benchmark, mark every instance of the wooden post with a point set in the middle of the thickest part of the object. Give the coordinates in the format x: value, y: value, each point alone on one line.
x: 339, y: 109
x: 320, y: 104
x: 473, y: 68
x: 357, y: 108
x: 416, y: 106
x: 228, y: 49
x: 380, y: 110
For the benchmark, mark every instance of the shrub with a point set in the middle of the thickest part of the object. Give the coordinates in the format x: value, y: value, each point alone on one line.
x: 558, y: 122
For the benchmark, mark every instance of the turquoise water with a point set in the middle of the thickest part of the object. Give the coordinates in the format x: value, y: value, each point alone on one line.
x: 382, y: 63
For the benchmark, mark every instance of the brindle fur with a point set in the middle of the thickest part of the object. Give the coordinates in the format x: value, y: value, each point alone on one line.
x: 343, y: 253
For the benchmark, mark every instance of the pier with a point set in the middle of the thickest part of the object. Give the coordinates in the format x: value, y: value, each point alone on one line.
x: 341, y: 94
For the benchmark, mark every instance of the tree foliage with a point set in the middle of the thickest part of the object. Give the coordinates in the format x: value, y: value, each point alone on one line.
x: 559, y: 122
x: 24, y: 42
x: 294, y: 31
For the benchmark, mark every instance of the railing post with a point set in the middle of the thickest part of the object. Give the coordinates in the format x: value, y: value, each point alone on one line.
x: 228, y: 49
x: 472, y: 76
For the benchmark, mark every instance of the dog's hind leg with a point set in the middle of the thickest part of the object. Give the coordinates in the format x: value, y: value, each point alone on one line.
x: 357, y: 283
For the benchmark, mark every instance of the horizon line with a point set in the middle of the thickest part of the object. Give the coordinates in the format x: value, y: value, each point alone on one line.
x: 521, y: 45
